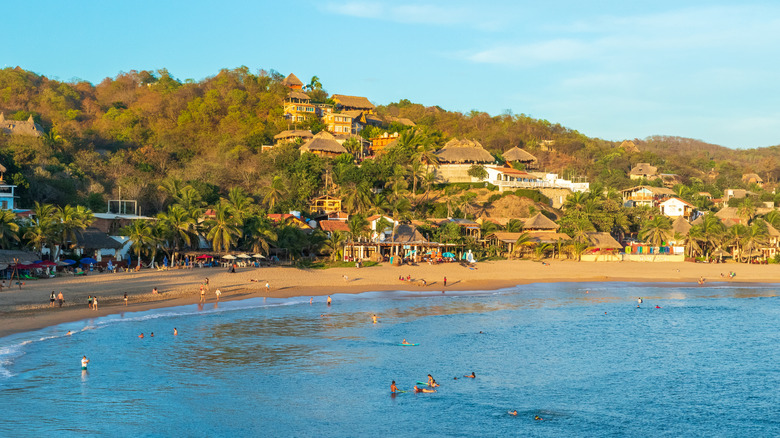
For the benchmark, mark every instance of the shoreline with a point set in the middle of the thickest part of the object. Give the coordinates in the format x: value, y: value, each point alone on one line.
x: 28, y: 309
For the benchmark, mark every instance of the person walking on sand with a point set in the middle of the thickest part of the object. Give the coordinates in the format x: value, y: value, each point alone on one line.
x: 206, y: 283
x: 218, y: 293
x: 84, y: 362
x: 94, y: 303
x: 60, y: 298
x: 445, y: 281
x: 52, y: 299
x: 202, y: 294
x: 125, y: 299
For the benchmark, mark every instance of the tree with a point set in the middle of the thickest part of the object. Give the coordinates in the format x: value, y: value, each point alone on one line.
x: 68, y: 220
x: 42, y: 231
x: 9, y: 229
x: 514, y: 226
x: 335, y: 244
x: 756, y: 237
x: 224, y: 229
x: 357, y: 198
x: 358, y: 226
x: 522, y: 244
x: 656, y: 231
x: 259, y: 234
x: 141, y: 234
x: 477, y: 171
x: 274, y: 193
x: 180, y: 228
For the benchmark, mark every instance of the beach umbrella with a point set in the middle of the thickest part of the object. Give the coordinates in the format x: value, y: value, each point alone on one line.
x: 203, y: 257
x: 244, y: 256
x: 68, y: 262
x: 448, y: 254
x: 87, y: 261
x: 229, y: 257
x: 46, y: 263
x: 258, y: 256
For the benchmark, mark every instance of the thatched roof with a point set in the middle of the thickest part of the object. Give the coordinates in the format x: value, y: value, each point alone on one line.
x: 295, y: 94
x: 7, y: 256
x: 93, y: 238
x: 2, y: 168
x: 629, y: 146
x: 405, y: 233
x: 357, y: 102
x: 401, y: 120
x: 643, y: 169
x: 323, y: 142
x: 603, y: 241
x: 292, y: 80
x: 749, y: 178
x: 727, y: 213
x: 505, y: 236
x: 547, y: 236
x: 681, y: 226
x: 464, y: 151
x: 293, y: 133
x: 517, y: 154
x: 772, y: 230
x: 539, y: 222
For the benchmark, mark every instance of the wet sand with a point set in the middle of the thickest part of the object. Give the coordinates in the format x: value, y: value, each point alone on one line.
x: 28, y: 309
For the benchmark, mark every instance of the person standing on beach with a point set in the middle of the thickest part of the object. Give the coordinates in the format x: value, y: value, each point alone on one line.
x: 202, y: 294
x: 94, y: 303
x: 60, y: 298
x: 445, y: 280
x: 84, y: 362
x: 52, y: 299
x: 267, y: 287
x: 89, y: 302
x: 218, y: 293
x: 206, y: 283
x: 125, y: 299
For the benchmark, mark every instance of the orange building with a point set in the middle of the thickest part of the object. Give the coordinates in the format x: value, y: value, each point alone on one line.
x: 292, y: 82
x: 298, y: 107
x: 338, y: 123
x: 381, y: 142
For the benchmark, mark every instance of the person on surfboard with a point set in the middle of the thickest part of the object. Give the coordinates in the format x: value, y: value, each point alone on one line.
x: 471, y: 376
x: 416, y: 389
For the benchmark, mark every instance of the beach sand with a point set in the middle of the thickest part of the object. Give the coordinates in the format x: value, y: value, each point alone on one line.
x: 28, y: 309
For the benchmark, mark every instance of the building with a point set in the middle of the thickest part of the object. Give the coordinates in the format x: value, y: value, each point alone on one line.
x: 517, y: 155
x: 539, y: 222
x: 676, y: 207
x: 752, y: 178
x: 645, y: 196
x: 629, y: 146
x: 383, y: 141
x: 293, y: 135
x: 349, y: 103
x: 511, y: 178
x: 457, y: 157
x: 323, y: 144
x: 290, y: 219
x: 338, y: 123
x: 20, y: 127
x: 643, y: 171
x: 325, y: 204
x: 298, y: 107
x: 292, y: 82
x: 7, y: 196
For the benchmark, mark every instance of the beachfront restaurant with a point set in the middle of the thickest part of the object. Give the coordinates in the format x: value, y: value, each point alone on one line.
x: 406, y: 243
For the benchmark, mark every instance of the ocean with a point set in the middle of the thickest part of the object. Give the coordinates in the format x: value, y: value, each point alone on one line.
x: 581, y: 356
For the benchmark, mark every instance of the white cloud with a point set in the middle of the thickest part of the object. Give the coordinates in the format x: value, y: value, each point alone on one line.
x: 448, y: 14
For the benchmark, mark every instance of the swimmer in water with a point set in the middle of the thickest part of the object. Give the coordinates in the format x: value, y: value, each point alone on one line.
x: 141, y: 335
x: 430, y: 380
x: 512, y: 412
x: 657, y: 307
x: 152, y: 335
x: 416, y: 389
x: 374, y: 318
x: 84, y: 362
x: 68, y: 334
x: 538, y: 418
x: 471, y: 376
x: 329, y: 300
x: 393, y: 388
x: 175, y: 332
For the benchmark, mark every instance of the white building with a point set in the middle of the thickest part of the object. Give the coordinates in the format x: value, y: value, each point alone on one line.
x: 511, y: 178
x: 676, y: 207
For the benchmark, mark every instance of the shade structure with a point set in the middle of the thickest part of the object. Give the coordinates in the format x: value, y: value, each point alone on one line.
x: 229, y: 257
x: 448, y: 254
x: 244, y: 256
x: 258, y: 256
x: 203, y: 257
x: 68, y: 262
x: 47, y: 263
x: 87, y: 261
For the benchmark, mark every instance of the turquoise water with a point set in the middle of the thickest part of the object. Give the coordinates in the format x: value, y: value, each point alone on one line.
x: 591, y: 364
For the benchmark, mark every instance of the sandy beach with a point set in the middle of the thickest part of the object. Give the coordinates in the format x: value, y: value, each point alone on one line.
x: 29, y: 309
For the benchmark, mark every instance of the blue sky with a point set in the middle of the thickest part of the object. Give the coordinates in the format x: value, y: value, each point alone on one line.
x: 610, y: 69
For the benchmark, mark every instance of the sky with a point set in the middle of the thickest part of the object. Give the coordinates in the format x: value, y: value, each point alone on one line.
x: 609, y: 69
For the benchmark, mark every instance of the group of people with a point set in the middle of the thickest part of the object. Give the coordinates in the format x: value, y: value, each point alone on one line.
x: 429, y: 385
x: 54, y: 298
x: 92, y: 302
x: 409, y: 278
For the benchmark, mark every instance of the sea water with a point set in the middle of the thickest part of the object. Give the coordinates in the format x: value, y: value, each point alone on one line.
x: 583, y: 357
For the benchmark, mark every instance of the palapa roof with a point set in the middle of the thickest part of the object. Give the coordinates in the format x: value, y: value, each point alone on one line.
x: 727, y: 213
x: 7, y: 256
x: 402, y: 120
x: 93, y: 238
x: 298, y: 95
x: 681, y: 226
x: 464, y: 151
x: 752, y: 177
x: 629, y: 146
x: 292, y: 80
x: 352, y: 101
x: 547, y: 236
x: 657, y: 191
x: 505, y: 236
x: 324, y: 141
x: 406, y: 233
x: 517, y: 154
x: 603, y: 241
x: 698, y: 221
x: 294, y: 133
x: 643, y: 169
x: 539, y: 222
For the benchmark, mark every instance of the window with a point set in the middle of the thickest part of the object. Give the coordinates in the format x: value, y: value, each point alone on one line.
x: 300, y: 119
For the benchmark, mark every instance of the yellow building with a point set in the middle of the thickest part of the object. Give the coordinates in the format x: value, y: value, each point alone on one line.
x: 326, y: 204
x: 381, y: 142
x: 338, y: 123
x: 298, y: 107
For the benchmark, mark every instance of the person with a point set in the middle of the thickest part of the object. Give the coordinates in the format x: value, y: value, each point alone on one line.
x: 538, y: 418
x: 217, y: 293
x: 154, y: 291
x: 445, y: 281
x: 471, y: 376
x: 657, y: 306
x: 512, y: 412
x: 431, y: 382
x: 206, y: 283
x: 393, y: 388
x: 52, y: 299
x: 416, y: 389
x: 202, y: 294
x: 68, y: 334
x: 94, y: 303
x: 310, y: 300
x: 84, y: 362
x: 175, y: 332
x: 60, y: 298
x: 639, y: 300
x: 346, y: 278
x: 267, y: 287
x: 374, y: 318
x: 89, y: 302
x: 233, y: 269
x: 405, y: 342
x: 152, y: 335
x: 329, y: 300
x: 125, y: 299
x: 141, y: 336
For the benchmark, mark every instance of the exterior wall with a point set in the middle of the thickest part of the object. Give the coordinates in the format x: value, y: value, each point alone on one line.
x: 338, y: 123
x: 452, y: 173
x: 557, y: 196
x: 654, y: 258
x: 299, y: 111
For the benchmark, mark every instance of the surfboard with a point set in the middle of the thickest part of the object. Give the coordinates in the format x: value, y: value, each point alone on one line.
x: 409, y: 345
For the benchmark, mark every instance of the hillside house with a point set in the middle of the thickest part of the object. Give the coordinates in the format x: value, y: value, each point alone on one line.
x: 325, y: 204
x: 323, y: 144
x: 338, y: 123
x: 645, y: 196
x: 293, y: 135
x: 7, y: 196
x: 349, y: 103
x: 752, y: 178
x: 517, y: 155
x: 643, y: 170
x: 384, y: 140
x: 629, y: 146
x: 292, y: 82
x: 20, y: 127
x: 457, y: 157
x: 298, y: 107
x: 676, y: 207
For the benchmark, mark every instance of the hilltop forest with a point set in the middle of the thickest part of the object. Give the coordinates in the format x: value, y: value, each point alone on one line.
x: 144, y: 129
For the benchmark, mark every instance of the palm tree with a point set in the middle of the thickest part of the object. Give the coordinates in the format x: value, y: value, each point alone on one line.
x: 522, y: 243
x: 427, y: 182
x: 190, y: 199
x: 693, y: 240
x: 382, y: 225
x: 514, y: 226
x: 141, y: 234
x: 42, y: 232
x: 9, y: 229
x: 357, y: 197
x: 354, y: 147
x: 224, y: 228
x: 240, y: 202
x: 735, y: 236
x: 171, y: 187
x: 335, y: 244
x: 358, y: 225
x: 576, y: 201
x: 274, y: 193
x: 417, y: 171
x: 397, y: 181
x: 746, y: 210
x: 656, y: 231
x: 179, y: 226
x: 259, y: 234
x: 541, y: 249
x: 68, y: 220
x: 757, y: 237
x: 713, y: 232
